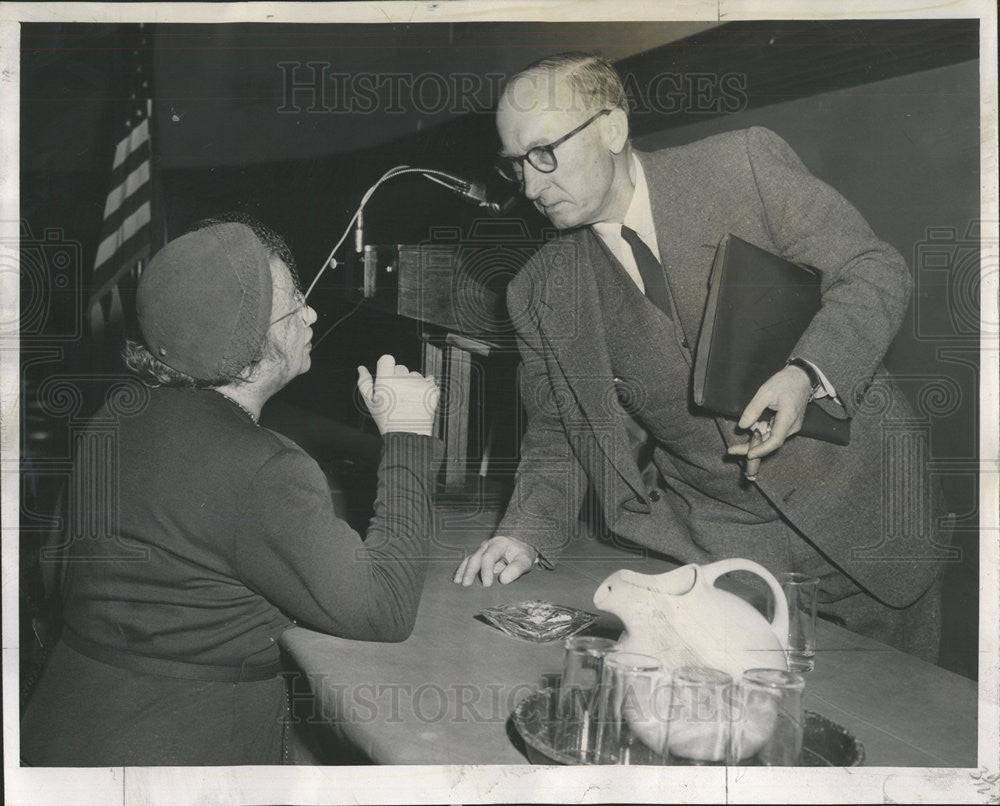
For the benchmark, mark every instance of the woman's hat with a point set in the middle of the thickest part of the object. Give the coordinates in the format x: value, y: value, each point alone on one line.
x: 204, y: 301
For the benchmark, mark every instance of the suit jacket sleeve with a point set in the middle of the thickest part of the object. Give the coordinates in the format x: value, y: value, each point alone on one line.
x: 550, y: 482
x: 865, y: 282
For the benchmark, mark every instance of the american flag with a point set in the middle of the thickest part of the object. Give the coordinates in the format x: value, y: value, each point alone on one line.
x: 126, y: 239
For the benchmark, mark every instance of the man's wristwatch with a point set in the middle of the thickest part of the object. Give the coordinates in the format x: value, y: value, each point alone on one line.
x: 809, y: 370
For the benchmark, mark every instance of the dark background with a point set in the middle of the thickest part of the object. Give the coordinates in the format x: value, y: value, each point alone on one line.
x: 886, y: 112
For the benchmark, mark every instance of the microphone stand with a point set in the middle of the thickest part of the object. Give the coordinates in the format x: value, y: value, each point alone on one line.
x: 470, y: 191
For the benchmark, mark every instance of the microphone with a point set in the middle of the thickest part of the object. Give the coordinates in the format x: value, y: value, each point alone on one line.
x: 359, y: 236
x: 474, y: 192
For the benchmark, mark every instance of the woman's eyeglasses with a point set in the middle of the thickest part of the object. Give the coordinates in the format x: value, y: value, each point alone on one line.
x: 300, y: 304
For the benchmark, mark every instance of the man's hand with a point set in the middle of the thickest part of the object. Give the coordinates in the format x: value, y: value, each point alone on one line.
x: 505, y: 558
x: 399, y: 400
x: 787, y: 394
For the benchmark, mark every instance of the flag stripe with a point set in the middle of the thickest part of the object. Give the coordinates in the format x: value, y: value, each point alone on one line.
x: 132, y: 161
x: 129, y: 227
x: 131, y: 203
x: 128, y: 144
x: 132, y: 183
x: 126, y: 231
x: 135, y: 249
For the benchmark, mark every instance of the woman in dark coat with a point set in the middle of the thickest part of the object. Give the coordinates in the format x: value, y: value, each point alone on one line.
x: 195, y: 536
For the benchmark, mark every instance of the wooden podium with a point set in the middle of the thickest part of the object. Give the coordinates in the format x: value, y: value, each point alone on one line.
x: 458, y: 290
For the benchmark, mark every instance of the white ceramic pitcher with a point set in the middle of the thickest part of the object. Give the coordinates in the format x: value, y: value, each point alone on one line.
x: 682, y: 618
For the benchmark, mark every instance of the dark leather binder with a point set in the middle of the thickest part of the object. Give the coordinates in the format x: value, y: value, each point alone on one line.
x: 759, y: 304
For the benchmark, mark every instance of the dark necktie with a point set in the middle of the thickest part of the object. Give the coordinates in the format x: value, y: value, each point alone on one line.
x: 650, y: 270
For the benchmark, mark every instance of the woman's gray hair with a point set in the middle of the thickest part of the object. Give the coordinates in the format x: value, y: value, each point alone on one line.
x: 153, y: 372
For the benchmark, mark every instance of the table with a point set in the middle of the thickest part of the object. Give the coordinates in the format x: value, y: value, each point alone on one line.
x: 444, y: 696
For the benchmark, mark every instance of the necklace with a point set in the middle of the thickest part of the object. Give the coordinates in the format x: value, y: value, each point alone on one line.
x: 239, y: 405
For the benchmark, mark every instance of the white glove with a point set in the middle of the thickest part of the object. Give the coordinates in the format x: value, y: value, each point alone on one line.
x: 399, y: 400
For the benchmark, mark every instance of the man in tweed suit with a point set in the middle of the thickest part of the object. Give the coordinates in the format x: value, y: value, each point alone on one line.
x: 607, y: 315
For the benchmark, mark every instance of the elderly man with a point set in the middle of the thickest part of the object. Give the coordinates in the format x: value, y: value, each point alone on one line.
x: 223, y: 533
x: 607, y: 315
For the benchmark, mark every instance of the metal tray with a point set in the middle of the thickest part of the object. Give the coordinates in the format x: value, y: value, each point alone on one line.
x: 824, y: 742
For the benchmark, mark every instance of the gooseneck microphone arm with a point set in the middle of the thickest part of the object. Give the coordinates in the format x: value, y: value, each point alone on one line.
x: 470, y: 191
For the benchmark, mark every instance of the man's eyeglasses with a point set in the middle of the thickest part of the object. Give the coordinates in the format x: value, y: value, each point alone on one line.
x: 541, y: 158
x: 300, y: 303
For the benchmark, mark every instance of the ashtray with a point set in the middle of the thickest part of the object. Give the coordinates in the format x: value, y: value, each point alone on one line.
x: 538, y: 621
x: 824, y: 742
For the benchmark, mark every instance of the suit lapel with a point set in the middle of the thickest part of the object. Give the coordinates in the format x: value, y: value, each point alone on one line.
x: 573, y: 329
x: 665, y: 198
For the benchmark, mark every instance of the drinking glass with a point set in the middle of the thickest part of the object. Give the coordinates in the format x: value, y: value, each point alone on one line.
x: 575, y: 731
x: 800, y: 593
x: 634, y: 710
x: 768, y: 719
x: 700, y: 716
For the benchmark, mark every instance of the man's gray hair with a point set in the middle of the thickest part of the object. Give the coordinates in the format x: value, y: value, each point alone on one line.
x: 592, y: 76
